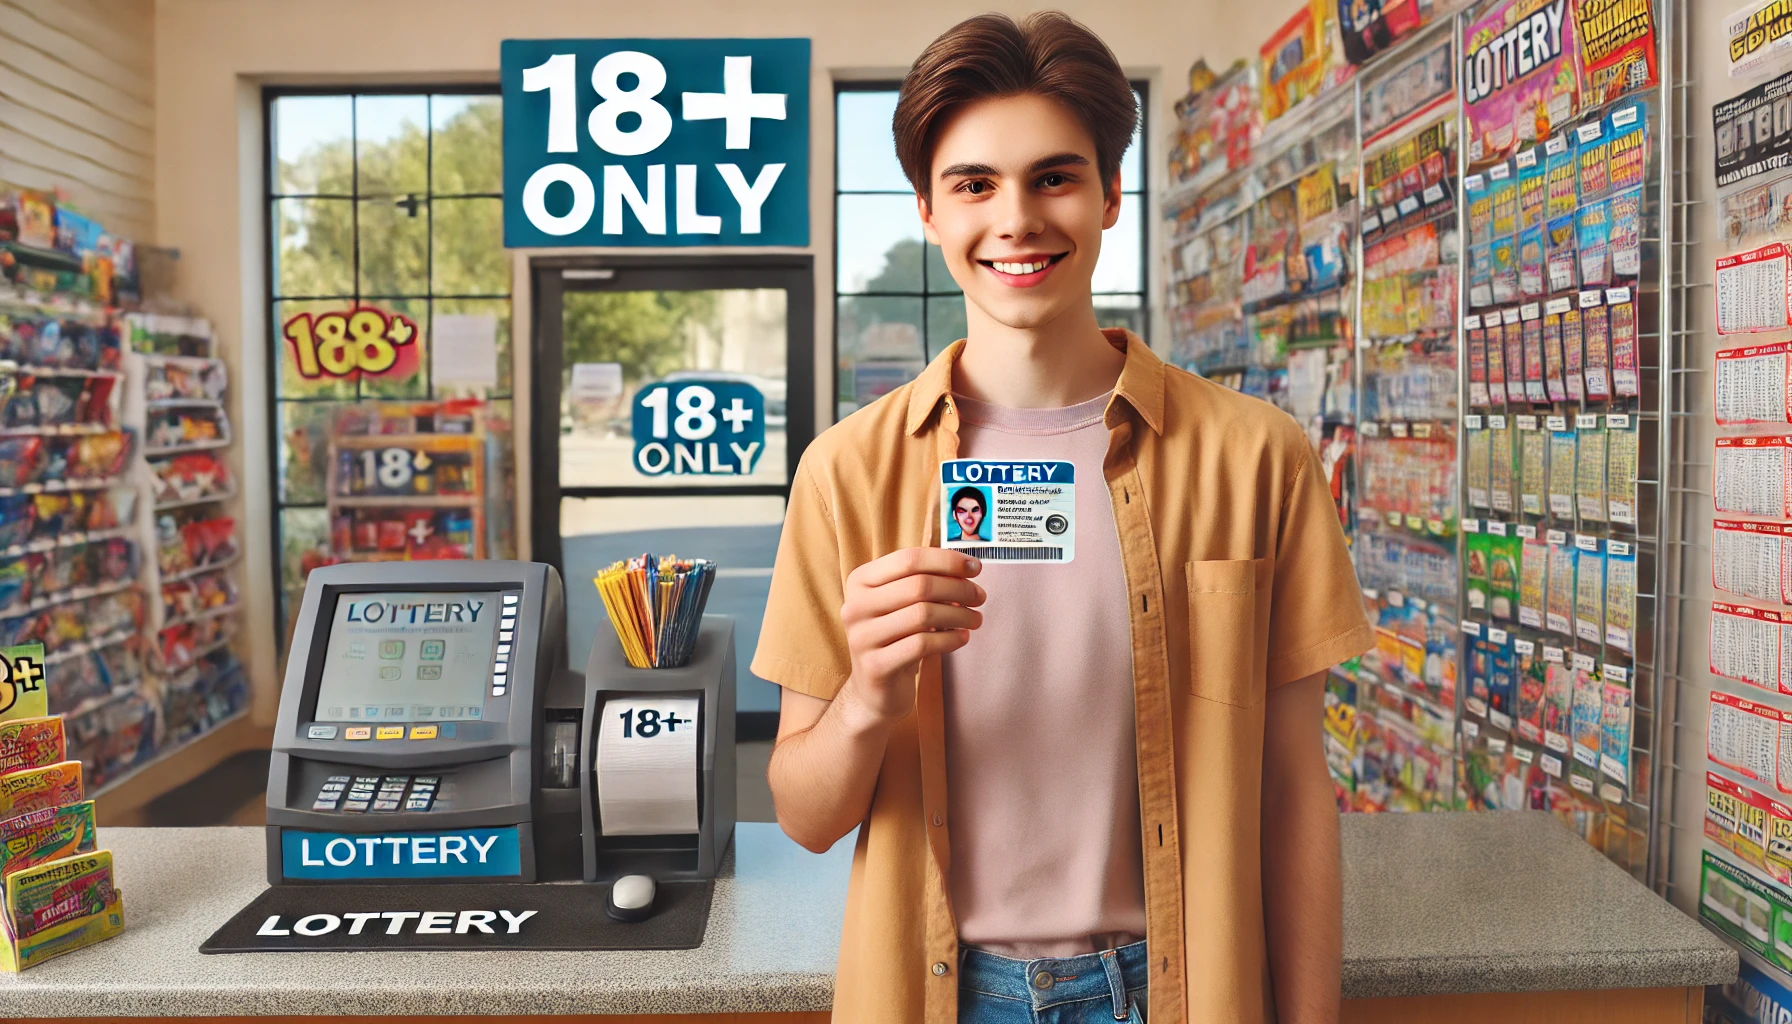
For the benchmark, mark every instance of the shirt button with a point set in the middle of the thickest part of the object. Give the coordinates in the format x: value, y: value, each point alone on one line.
x: 1042, y: 980
x: 939, y: 969
x: 937, y: 820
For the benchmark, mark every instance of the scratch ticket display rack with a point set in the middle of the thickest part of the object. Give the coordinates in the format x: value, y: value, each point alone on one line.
x: 1495, y: 443
x: 407, y: 481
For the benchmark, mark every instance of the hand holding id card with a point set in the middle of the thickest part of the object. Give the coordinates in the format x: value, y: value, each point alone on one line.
x: 1021, y: 510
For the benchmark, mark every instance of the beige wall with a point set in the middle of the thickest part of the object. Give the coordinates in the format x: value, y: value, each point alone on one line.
x: 77, y: 106
x: 212, y: 57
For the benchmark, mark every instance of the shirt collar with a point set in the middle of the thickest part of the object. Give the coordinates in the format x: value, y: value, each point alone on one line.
x: 1141, y: 382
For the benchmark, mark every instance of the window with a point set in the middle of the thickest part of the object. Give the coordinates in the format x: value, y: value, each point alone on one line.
x: 390, y: 200
x: 895, y: 304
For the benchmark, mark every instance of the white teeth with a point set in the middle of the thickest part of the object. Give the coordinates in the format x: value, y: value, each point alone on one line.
x: 1021, y: 268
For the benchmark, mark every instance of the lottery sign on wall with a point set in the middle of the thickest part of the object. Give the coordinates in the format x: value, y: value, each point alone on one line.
x: 1617, y: 47
x: 1754, y: 131
x: 1518, y: 77
x: 362, y: 342
x: 656, y: 142
x: 1759, y: 34
x: 698, y: 428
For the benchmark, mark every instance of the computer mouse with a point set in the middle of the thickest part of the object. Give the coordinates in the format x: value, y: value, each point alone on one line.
x: 631, y: 898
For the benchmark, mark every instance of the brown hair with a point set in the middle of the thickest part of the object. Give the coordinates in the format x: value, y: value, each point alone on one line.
x: 1048, y: 54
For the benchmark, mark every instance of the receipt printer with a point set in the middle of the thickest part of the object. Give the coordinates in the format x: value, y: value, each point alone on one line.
x: 429, y: 732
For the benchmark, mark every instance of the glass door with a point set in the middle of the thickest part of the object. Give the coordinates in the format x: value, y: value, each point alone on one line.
x: 608, y: 332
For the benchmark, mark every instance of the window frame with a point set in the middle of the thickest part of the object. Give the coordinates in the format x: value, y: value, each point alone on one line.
x: 1140, y: 195
x: 271, y: 299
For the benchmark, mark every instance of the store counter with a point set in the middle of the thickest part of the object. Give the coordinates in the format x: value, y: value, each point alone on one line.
x: 1477, y: 916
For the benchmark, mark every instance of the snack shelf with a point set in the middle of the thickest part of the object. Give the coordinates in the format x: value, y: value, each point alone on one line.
x: 64, y: 486
x: 100, y: 700
x: 60, y: 371
x: 160, y: 668
x: 209, y: 613
x: 171, y: 357
x: 38, y: 604
x: 67, y: 540
x: 88, y: 646
x: 224, y: 495
x: 58, y: 430
x: 161, y: 757
x: 181, y: 449
x: 420, y: 501
x: 184, y: 403
x: 201, y: 570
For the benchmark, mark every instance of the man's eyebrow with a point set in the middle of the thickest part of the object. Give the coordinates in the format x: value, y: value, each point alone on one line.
x: 968, y: 170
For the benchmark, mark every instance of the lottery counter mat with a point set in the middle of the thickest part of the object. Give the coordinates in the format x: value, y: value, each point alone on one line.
x: 568, y: 916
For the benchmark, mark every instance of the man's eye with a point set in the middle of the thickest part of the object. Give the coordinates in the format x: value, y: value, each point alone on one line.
x: 1053, y: 180
x: 976, y: 188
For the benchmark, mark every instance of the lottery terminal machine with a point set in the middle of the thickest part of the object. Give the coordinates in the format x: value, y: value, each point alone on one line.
x: 428, y: 731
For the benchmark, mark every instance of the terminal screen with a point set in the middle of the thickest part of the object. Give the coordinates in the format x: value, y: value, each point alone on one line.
x: 408, y: 657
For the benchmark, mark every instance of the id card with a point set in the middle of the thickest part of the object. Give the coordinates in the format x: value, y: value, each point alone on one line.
x: 1009, y: 511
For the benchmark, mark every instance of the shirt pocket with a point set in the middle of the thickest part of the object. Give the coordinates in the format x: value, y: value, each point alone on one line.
x: 1226, y: 625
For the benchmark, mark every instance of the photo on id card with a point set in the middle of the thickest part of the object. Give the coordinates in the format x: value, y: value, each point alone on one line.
x: 1021, y: 510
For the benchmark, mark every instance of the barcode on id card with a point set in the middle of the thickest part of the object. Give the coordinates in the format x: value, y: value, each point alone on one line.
x: 1000, y: 553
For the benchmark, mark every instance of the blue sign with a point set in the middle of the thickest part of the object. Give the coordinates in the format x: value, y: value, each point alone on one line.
x: 1762, y: 998
x: 454, y: 853
x: 699, y: 428
x: 656, y: 142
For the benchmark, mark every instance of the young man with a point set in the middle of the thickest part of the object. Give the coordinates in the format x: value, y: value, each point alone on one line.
x: 1087, y: 790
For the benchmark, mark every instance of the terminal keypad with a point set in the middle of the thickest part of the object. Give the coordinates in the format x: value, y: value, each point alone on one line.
x: 362, y: 793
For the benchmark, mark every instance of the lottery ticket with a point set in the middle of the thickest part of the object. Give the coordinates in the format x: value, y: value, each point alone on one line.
x: 1749, y: 559
x: 1558, y: 254
x: 1557, y: 692
x: 1561, y: 177
x: 30, y: 743
x: 1496, y: 359
x: 1736, y: 818
x: 1533, y: 466
x: 1502, y: 576
x: 1021, y: 511
x: 1779, y: 840
x: 1621, y: 468
x: 1749, y: 476
x: 1500, y: 464
x: 1596, y: 338
x: 1620, y: 596
x: 1614, y: 722
x: 1563, y: 453
x: 1589, y: 596
x: 1743, y: 736
x: 1593, y: 154
x: 1504, y: 187
x: 49, y: 894
x: 1530, y: 263
x: 32, y: 788
x: 1527, y: 715
x: 1478, y: 549
x: 1554, y: 376
x: 1533, y: 583
x: 1515, y: 373
x: 1628, y: 155
x: 46, y: 834
x: 1588, y: 708
x: 1573, y: 353
x: 1501, y: 682
x: 1750, y: 384
x: 1532, y: 327
x: 1589, y: 474
x: 1592, y: 243
x: 1504, y: 252
x: 1752, y: 291
x: 1625, y: 373
x: 1479, y: 467
x: 1480, y: 209
x: 1559, y: 596
x: 1745, y: 644
x: 1480, y: 276
x: 1477, y: 362
x: 1626, y: 210
x: 1531, y: 194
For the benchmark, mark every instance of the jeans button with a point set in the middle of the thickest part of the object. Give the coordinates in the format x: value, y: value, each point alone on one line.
x: 939, y: 969
x: 1042, y: 980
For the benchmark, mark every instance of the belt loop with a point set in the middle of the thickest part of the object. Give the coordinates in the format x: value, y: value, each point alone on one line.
x: 1110, y: 962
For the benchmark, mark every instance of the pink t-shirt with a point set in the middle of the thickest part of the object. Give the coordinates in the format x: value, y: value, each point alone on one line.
x: 1041, y: 770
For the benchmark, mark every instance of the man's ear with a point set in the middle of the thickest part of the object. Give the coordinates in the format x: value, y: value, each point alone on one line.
x: 1110, y: 205
x: 924, y: 207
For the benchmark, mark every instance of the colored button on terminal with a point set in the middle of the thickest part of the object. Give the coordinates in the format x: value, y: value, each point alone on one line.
x: 423, y: 732
x: 359, y: 732
x: 391, y: 732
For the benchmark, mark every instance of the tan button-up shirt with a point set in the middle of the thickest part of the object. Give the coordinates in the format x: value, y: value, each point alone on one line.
x: 1238, y: 581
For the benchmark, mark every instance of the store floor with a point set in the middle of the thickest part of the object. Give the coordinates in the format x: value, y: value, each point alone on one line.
x: 235, y: 792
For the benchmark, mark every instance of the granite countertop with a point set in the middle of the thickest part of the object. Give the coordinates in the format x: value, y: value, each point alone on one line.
x: 1506, y: 901
x: 1434, y: 903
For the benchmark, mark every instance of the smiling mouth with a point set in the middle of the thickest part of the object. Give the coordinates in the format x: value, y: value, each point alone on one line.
x: 1023, y: 273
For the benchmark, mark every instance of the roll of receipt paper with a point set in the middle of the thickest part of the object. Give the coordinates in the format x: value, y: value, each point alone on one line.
x: 647, y: 766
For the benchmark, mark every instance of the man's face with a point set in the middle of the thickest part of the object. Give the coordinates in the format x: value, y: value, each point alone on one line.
x: 969, y: 514
x: 1018, y: 208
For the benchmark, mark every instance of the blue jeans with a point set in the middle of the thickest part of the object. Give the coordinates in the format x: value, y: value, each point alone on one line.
x: 1095, y: 988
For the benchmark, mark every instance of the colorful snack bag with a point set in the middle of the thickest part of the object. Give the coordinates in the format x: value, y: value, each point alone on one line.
x: 1480, y: 671
x: 1528, y: 715
x: 1533, y: 581
x: 1626, y: 211
x: 1587, y: 712
x: 1562, y: 467
x: 1477, y: 362
x: 1589, y: 598
x: 1620, y: 596
x: 30, y: 743
x: 1504, y: 187
x: 1502, y: 576
x: 1505, y: 269
x: 42, y: 897
x: 1532, y: 335
x: 1558, y: 253
x: 1561, y: 177
x: 1478, y: 550
x: 1480, y: 209
x: 1592, y: 230
x: 1589, y: 476
x: 1614, y: 748
x: 1530, y: 263
x: 46, y: 834
x: 1558, y: 686
x: 1533, y: 472
x: 1596, y: 336
x: 1555, y: 379
x: 33, y: 788
x: 1573, y: 355
x: 1626, y: 377
x: 1594, y: 157
x: 1502, y: 681
x: 1621, y: 468
x: 1628, y: 155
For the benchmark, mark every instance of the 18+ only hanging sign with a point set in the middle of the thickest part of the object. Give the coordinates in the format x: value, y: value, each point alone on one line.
x: 656, y: 142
